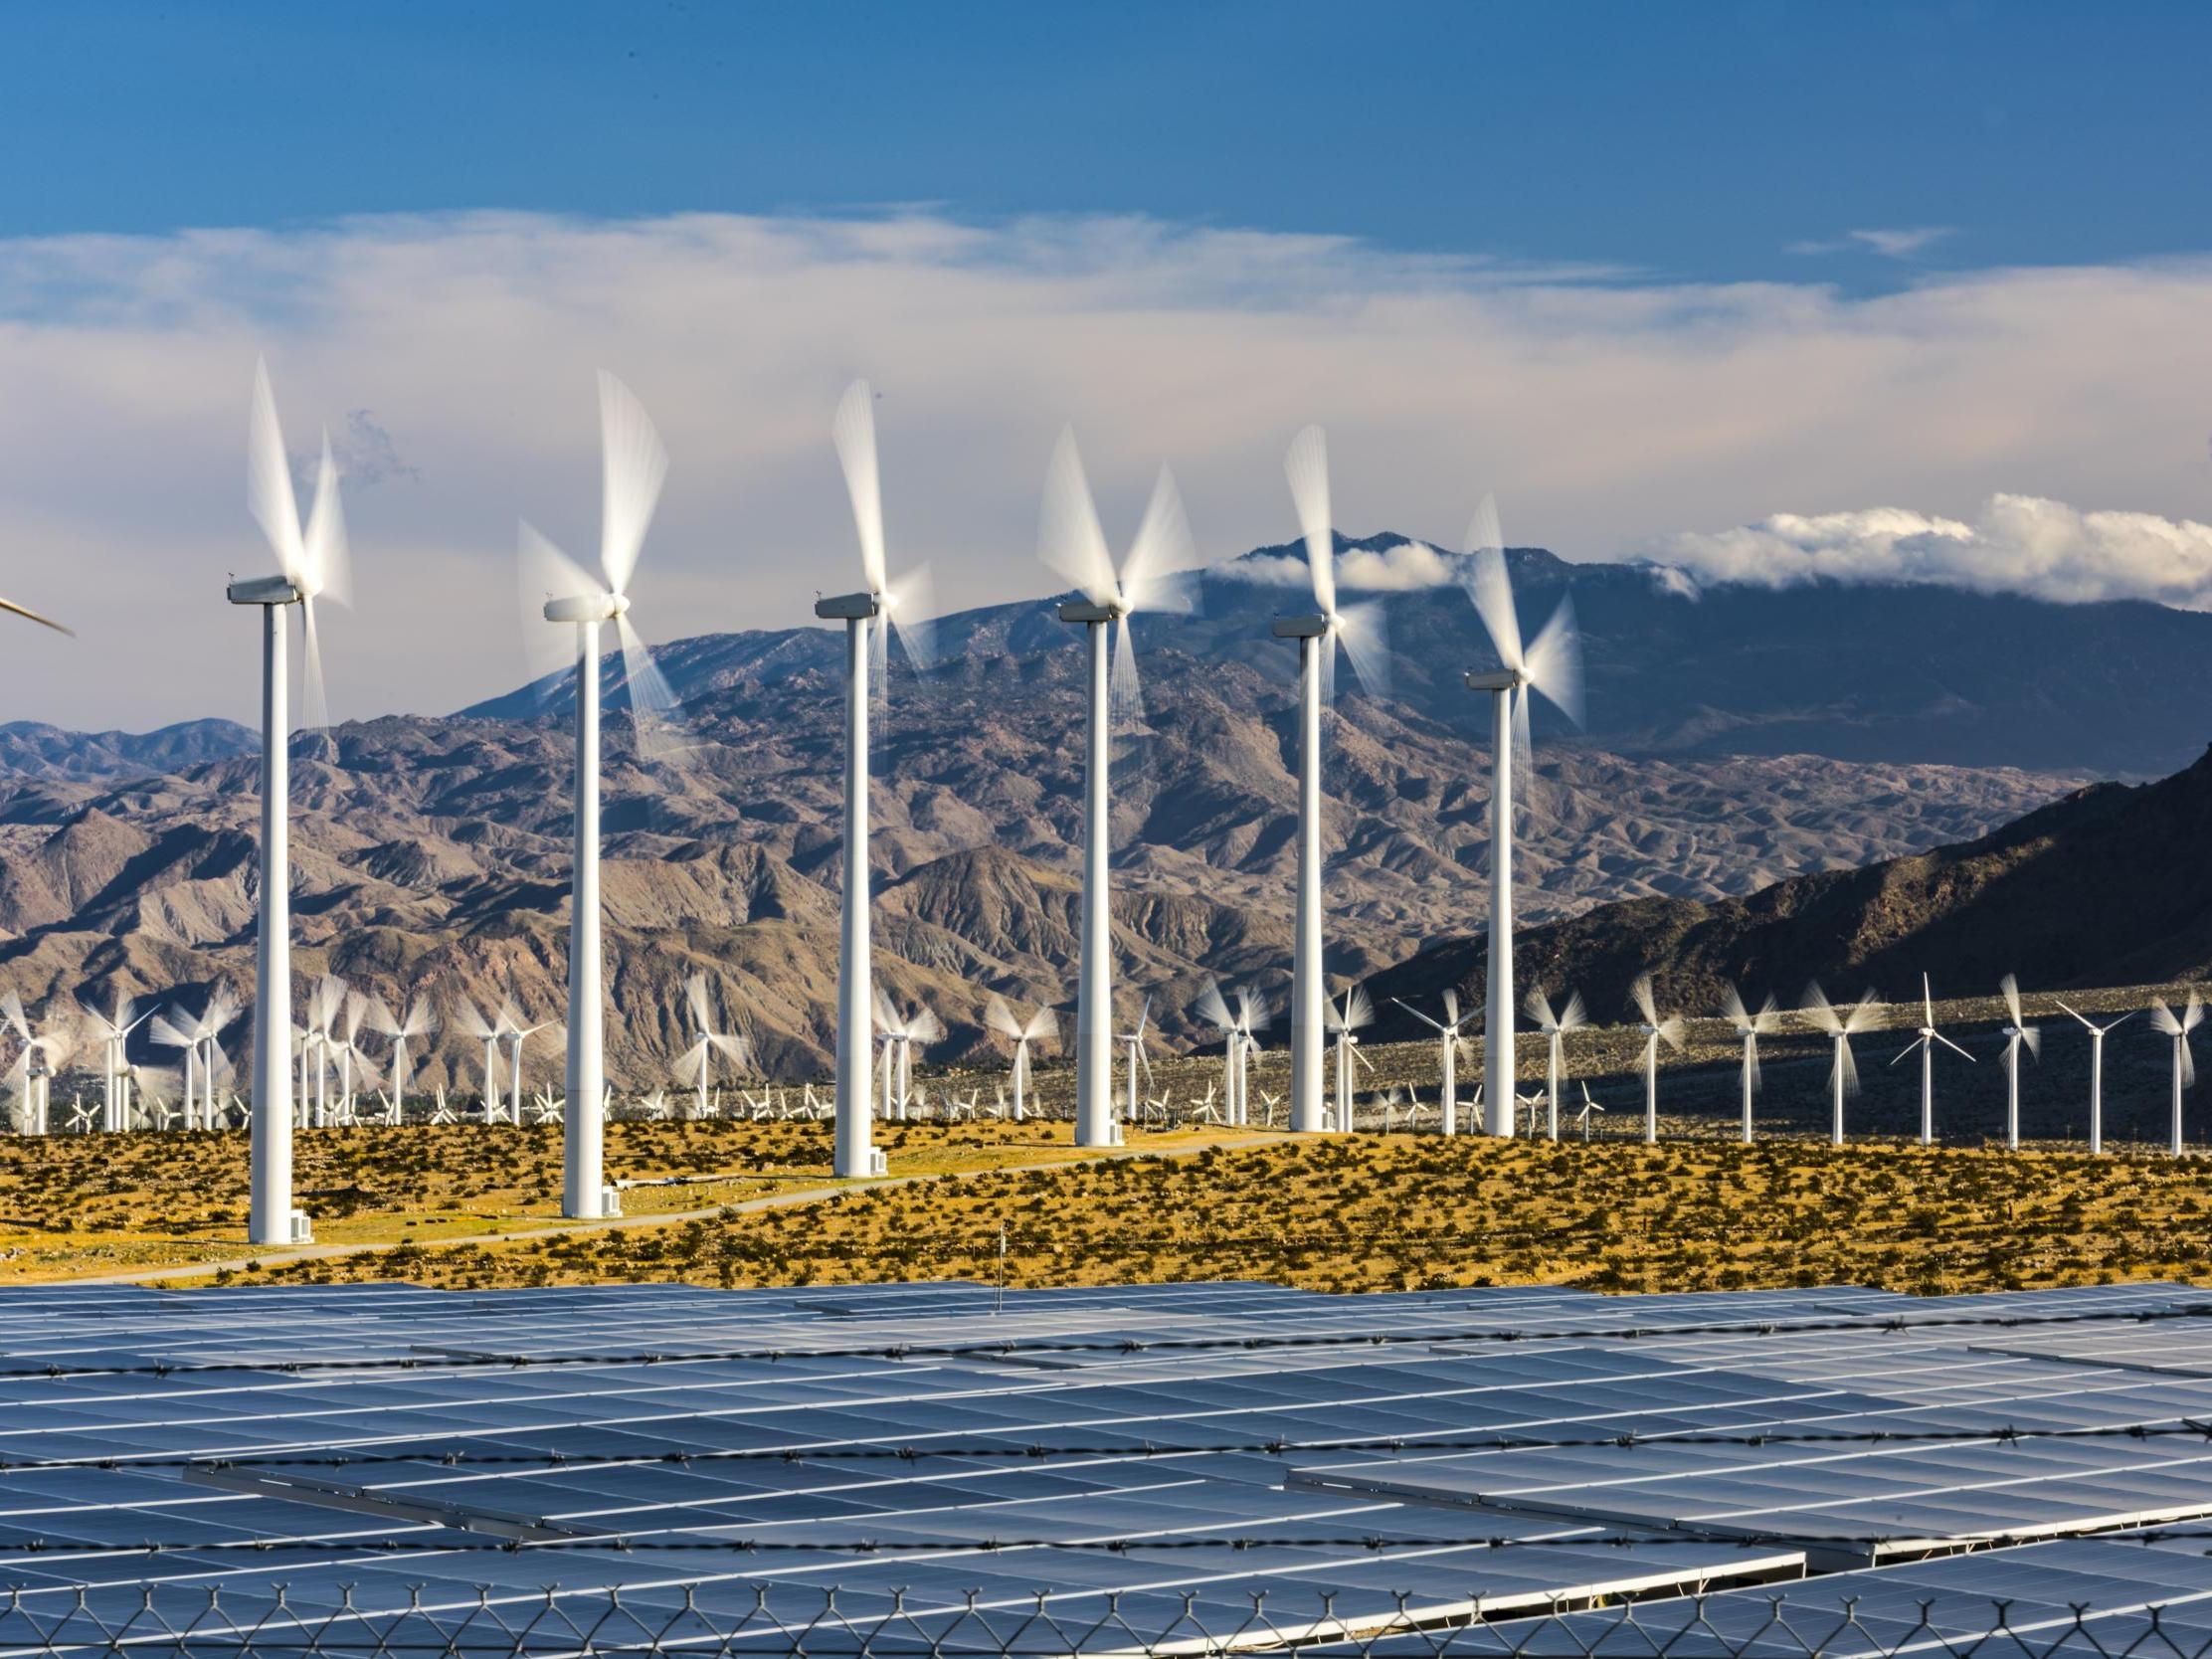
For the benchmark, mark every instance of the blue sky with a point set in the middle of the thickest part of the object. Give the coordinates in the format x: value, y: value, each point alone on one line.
x: 1683, y: 141
x: 1767, y: 292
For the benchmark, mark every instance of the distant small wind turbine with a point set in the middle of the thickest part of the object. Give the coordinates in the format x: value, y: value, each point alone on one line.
x: 1588, y: 1106
x: 1358, y: 629
x: 1655, y: 1031
x: 695, y: 1065
x: 2096, y: 1034
x: 113, y: 1034
x: 1345, y: 1019
x: 1554, y: 1027
x: 419, y: 1021
x: 1138, y: 1059
x: 487, y: 1031
x: 1071, y: 541
x: 1041, y: 1027
x: 1551, y: 665
x: 1447, y: 1031
x: 1925, y: 1042
x: 2178, y: 1027
x: 1841, y: 1024
x: 2016, y: 1034
x: 1750, y: 1028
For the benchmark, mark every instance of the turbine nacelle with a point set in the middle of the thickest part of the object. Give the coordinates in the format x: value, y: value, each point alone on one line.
x: 586, y: 607
x: 1092, y: 610
x: 1497, y: 680
x: 265, y: 590
x: 1306, y: 627
x: 850, y: 608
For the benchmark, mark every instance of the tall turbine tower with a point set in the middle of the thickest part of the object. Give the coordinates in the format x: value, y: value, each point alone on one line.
x: 1552, y: 666
x: 632, y: 466
x: 1926, y: 1041
x: 2096, y: 1034
x: 1358, y: 629
x: 1750, y: 1028
x: 1655, y: 1030
x: 1554, y: 1027
x: 867, y: 616
x: 1071, y: 541
x: 310, y: 564
x: 2178, y: 1027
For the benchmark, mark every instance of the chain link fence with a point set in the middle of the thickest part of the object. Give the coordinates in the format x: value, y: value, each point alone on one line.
x: 784, y: 1619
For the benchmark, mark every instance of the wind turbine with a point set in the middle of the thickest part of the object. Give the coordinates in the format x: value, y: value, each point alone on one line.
x: 1925, y: 1042
x: 867, y: 617
x: 325, y: 1002
x: 1138, y: 1060
x: 1238, y: 1041
x: 2097, y: 1072
x: 2017, y: 1033
x: 632, y: 466
x: 2178, y: 1027
x: 37, y: 1060
x: 489, y: 1033
x: 1655, y: 1031
x: 1841, y: 1024
x: 696, y: 1064
x: 517, y: 1035
x: 900, y: 1033
x: 1447, y: 1031
x: 310, y: 564
x: 419, y: 1023
x: 1358, y: 629
x: 1345, y: 1020
x: 1041, y: 1027
x: 1588, y: 1106
x: 114, y: 1032
x: 1072, y: 542
x: 1554, y: 1027
x: 1552, y: 666
x: 1750, y: 1028
x: 349, y: 1049
x: 1252, y: 1015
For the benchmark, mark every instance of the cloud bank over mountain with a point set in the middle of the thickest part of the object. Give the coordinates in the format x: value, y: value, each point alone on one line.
x: 2014, y: 544
x: 1609, y: 409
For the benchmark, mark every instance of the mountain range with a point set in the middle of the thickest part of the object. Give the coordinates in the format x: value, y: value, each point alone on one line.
x: 1736, y: 739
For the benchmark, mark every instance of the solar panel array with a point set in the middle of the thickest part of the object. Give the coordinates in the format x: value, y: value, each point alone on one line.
x: 1167, y: 1451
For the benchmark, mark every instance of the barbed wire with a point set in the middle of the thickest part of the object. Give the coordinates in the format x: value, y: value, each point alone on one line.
x: 2160, y: 1429
x: 1881, y: 1324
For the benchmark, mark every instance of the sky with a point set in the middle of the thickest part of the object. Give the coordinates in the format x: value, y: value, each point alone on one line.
x: 1900, y: 292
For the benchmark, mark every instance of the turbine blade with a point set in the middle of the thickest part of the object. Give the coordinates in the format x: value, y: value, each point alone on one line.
x: 1639, y: 992
x: 1451, y: 1004
x: 1953, y: 1047
x: 1538, y: 1008
x: 2083, y: 1018
x: 1363, y: 633
x: 1863, y: 1014
x: 1044, y: 1026
x: 543, y: 572
x: 1070, y: 540
x: 1160, y: 557
x: 1416, y: 1014
x: 1814, y: 1005
x: 2188, y: 1063
x: 1574, y: 1014
x: 325, y: 554
x: 1359, y: 1010
x: 1125, y: 693
x: 1212, y: 1008
x: 911, y: 605
x: 30, y: 615
x: 999, y: 1018
x: 268, y: 493
x: 2165, y: 1019
x: 632, y: 466
x: 655, y: 716
x: 1307, y: 468
x: 1491, y: 589
x: 852, y: 430
x: 694, y: 994
x: 2009, y: 989
x: 2033, y: 1037
x: 315, y: 705
x: 1734, y: 1011
x: 1554, y: 661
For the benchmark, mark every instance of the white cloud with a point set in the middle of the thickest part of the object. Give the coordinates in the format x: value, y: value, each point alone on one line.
x: 1896, y: 244
x: 1602, y: 411
x: 2014, y: 544
x: 1400, y: 568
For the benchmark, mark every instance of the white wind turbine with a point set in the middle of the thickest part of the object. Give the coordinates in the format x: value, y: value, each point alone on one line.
x: 1253, y: 1010
x: 487, y: 1031
x: 1841, y: 1025
x: 417, y: 1022
x: 1750, y: 1028
x: 2178, y: 1027
x: 517, y: 1035
x: 113, y: 1035
x: 1588, y: 1106
x: 311, y: 565
x: 36, y: 1060
x: 1138, y: 1061
x: 2097, y: 1071
x: 632, y: 466
x: 1927, y: 1039
x: 2015, y: 1034
x: 1655, y: 1031
x: 1447, y: 1031
x: 695, y: 1065
x: 1041, y: 1027
x: 901, y: 1030
x: 325, y: 1002
x: 1554, y: 1027
x: 1358, y: 629
x: 1239, y: 1042
x: 1550, y: 664
x: 349, y: 1049
x: 867, y: 615
x: 198, y: 1040
x: 1345, y: 1020
x: 1072, y: 542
